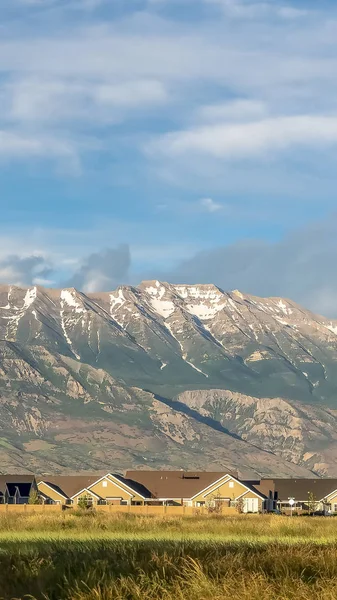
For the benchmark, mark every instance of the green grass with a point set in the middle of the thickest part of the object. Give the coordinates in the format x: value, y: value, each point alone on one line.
x: 126, y: 557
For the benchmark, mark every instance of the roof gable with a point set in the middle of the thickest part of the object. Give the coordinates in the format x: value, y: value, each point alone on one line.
x: 53, y: 487
x: 69, y: 485
x: 208, y: 489
x: 90, y: 492
x: 225, y: 479
x: 113, y: 480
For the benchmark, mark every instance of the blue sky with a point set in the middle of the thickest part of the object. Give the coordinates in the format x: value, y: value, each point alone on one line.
x: 189, y: 140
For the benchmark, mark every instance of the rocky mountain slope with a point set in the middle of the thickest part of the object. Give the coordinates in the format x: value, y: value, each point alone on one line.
x: 165, y: 375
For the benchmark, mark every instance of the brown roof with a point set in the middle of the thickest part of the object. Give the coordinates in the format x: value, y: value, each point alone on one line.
x: 134, y: 485
x: 4, y: 479
x: 266, y: 487
x: 175, y: 484
x: 300, y: 488
x: 69, y: 485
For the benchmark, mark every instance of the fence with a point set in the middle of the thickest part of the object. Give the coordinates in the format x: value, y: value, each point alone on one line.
x: 163, y: 510
x: 30, y: 508
x: 114, y: 509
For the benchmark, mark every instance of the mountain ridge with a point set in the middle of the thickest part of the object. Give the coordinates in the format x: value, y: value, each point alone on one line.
x: 67, y: 355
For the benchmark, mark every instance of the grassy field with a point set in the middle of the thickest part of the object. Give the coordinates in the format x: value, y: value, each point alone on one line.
x: 125, y: 557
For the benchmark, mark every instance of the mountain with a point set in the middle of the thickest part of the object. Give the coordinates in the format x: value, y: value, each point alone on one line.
x: 165, y: 375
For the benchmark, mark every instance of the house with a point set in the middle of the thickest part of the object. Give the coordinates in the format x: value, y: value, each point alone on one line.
x: 173, y: 487
x: 230, y: 491
x: 199, y: 488
x: 107, y: 489
x: 16, y: 489
x: 266, y: 487
x: 59, y: 489
x: 316, y: 494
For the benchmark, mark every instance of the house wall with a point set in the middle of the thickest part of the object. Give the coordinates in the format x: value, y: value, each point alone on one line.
x: 135, y: 496
x: 332, y: 498
x: 250, y: 494
x: 48, y: 491
x: 228, y: 489
x: 108, y: 489
x: 85, y: 494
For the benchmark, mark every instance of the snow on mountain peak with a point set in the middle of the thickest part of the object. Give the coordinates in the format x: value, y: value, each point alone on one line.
x: 69, y: 297
x: 203, y: 301
x: 29, y: 297
x: 205, y: 292
x: 156, y: 291
x: 285, y: 309
x: 116, y: 301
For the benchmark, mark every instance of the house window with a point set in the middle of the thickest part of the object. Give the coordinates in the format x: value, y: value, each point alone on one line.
x: 334, y: 507
x: 231, y: 484
x: 105, y: 484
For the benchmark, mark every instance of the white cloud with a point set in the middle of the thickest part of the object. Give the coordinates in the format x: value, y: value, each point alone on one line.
x: 43, y: 281
x: 250, y: 9
x: 236, y: 110
x: 86, y: 5
x: 289, y: 12
x: 131, y: 94
x: 209, y: 205
x: 77, y: 76
x: 251, y: 139
x: 36, y: 99
x: 17, y: 145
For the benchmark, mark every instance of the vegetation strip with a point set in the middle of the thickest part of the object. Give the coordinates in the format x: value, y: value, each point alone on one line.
x: 94, y: 557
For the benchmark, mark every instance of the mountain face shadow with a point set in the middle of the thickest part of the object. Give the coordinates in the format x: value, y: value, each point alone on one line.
x: 190, y: 412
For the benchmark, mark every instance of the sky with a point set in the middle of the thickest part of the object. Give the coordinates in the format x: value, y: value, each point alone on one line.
x: 192, y: 141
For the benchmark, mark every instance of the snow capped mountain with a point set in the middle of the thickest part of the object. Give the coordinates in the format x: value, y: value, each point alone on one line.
x: 163, y: 340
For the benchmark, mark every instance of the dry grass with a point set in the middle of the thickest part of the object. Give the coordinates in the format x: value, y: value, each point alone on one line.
x: 247, y: 527
x: 127, y: 557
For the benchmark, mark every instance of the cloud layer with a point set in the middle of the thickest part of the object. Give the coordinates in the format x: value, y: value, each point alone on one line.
x: 103, y: 271
x: 191, y: 126
x: 301, y: 266
x: 228, y: 141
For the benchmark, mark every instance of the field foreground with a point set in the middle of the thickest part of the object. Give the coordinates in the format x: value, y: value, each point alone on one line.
x: 125, y: 557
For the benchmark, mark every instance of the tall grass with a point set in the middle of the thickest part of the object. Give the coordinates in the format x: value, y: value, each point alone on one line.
x: 99, y: 524
x: 127, y: 557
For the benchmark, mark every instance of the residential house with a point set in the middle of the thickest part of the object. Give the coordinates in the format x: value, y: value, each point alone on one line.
x: 314, y: 494
x: 16, y: 489
x: 199, y: 488
x: 230, y: 491
x: 266, y: 487
x: 189, y: 488
x: 107, y: 489
x: 59, y: 489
